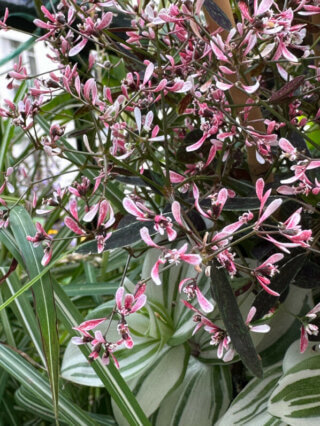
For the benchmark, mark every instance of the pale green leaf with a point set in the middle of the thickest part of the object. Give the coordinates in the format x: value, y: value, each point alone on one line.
x: 296, y: 399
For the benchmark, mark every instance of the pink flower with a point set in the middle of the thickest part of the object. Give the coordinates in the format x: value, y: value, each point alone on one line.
x: 262, y: 328
x: 40, y: 236
x: 192, y: 290
x: 3, y: 24
x: 199, y: 318
x: 131, y: 304
x: 102, y: 234
x: 218, y: 201
x: 168, y: 255
x: 83, y: 328
x: 272, y: 207
x: 308, y: 329
x: 268, y: 269
x: 142, y: 213
x: 123, y: 329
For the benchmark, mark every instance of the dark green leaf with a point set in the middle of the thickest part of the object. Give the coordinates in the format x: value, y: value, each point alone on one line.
x: 217, y: 14
x: 122, y: 237
x: 264, y: 301
x: 232, y: 319
x: 308, y: 277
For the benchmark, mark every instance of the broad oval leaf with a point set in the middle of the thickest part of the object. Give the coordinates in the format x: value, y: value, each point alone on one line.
x: 296, y: 399
x: 202, y: 397
x: 250, y: 406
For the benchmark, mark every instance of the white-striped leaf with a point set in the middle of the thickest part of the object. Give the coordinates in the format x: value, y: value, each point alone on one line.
x: 32, y: 404
x: 203, y: 396
x: 76, y: 368
x: 159, y: 380
x: 22, y: 226
x: 36, y: 384
x: 23, y: 311
x: 296, y: 399
x: 293, y: 355
x: 109, y: 375
x: 250, y: 406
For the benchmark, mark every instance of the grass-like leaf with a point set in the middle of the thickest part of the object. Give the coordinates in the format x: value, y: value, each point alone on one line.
x: 37, y: 385
x: 22, y: 225
x: 109, y: 376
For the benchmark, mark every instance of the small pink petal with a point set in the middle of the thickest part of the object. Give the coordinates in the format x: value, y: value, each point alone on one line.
x: 205, y: 305
x: 263, y: 7
x: 259, y: 188
x: 74, y: 209
x: 172, y: 234
x: 193, y: 259
x: 155, y: 271
x: 103, y: 211
x: 176, y: 211
x: 148, y: 121
x: 251, y: 314
x: 263, y: 328
x: 140, y: 302
x: 78, y: 47
x: 90, y: 215
x: 251, y: 89
x: 272, y: 207
x: 223, y: 86
x: 148, y: 73
x: 286, y: 146
x: 137, y: 116
x: 118, y: 297
x: 144, y: 233
x: 71, y: 224
x: 303, y: 340
x: 131, y: 208
x: 90, y: 324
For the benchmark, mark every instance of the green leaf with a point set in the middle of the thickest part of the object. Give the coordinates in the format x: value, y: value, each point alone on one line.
x: 24, y: 311
x: 250, y: 406
x: 38, y: 386
x: 76, y: 368
x: 203, y: 396
x: 91, y: 289
x: 217, y: 14
x: 109, y: 375
x: 9, y: 242
x: 232, y: 319
x: 293, y: 355
x: 22, y: 225
x: 161, y: 378
x: 296, y: 398
x: 125, y: 236
x: 9, y: 128
x: 30, y: 403
x: 285, y: 328
x: 265, y: 301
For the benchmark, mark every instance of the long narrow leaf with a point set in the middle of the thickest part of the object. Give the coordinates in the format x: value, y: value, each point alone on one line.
x: 22, y: 225
x: 24, y: 311
x: 37, y: 385
x: 109, y: 376
x: 232, y: 319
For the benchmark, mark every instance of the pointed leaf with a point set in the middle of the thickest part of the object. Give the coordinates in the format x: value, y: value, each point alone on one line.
x: 217, y: 14
x: 22, y: 226
x: 222, y: 293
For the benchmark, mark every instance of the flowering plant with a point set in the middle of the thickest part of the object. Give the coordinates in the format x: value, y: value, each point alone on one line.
x: 191, y: 132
